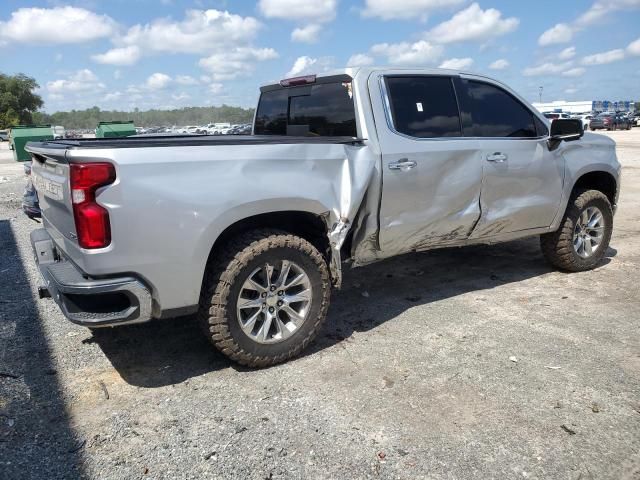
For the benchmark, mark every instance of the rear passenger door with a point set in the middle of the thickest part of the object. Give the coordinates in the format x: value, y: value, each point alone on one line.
x: 521, y: 179
x: 431, y: 174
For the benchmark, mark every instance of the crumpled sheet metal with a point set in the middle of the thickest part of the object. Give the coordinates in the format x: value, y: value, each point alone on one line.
x: 355, y: 175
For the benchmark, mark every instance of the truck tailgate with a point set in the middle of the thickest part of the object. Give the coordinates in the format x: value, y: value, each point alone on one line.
x: 50, y: 176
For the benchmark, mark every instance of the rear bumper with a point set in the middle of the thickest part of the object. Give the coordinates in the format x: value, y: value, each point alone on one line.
x: 88, y: 301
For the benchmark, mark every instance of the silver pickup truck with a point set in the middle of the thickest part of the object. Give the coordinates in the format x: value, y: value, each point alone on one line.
x: 251, y: 232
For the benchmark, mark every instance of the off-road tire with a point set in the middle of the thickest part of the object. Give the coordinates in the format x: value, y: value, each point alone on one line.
x: 224, y: 276
x: 557, y: 247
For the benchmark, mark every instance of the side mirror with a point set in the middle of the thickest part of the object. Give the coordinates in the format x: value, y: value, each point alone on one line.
x: 567, y: 129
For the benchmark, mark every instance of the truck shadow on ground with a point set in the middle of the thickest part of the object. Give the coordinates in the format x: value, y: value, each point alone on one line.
x: 166, y: 352
x: 36, y: 436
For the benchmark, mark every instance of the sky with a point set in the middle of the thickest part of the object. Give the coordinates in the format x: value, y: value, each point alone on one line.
x: 126, y: 54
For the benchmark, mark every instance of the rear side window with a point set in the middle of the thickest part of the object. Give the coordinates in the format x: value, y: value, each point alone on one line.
x: 324, y: 109
x: 424, y: 107
x: 496, y: 113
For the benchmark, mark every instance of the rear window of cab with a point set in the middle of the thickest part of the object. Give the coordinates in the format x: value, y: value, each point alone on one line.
x: 323, y: 109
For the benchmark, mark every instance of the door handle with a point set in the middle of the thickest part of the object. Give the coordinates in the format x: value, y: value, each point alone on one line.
x: 403, y: 164
x: 497, y: 157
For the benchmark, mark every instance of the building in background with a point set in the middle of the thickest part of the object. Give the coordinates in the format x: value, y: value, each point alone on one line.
x: 586, y: 106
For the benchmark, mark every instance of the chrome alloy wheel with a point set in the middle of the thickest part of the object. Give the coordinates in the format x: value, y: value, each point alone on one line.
x: 274, y: 301
x: 588, y: 232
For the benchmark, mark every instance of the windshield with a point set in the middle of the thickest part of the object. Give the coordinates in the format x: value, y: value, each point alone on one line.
x: 324, y: 109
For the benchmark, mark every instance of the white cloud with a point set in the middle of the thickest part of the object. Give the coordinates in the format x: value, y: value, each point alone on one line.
x: 229, y: 64
x: 118, y: 56
x: 500, y: 64
x: 604, y: 57
x: 559, y: 33
x: 81, y: 81
x: 360, y: 60
x: 567, y: 53
x: 634, y: 47
x: 574, y: 72
x: 109, y: 97
x: 600, y: 9
x: 178, y: 97
x: 457, y: 63
x: 158, y: 81
x: 186, y: 80
x: 301, y: 10
x: 201, y: 31
x: 308, y: 34
x: 571, y: 90
x: 301, y: 66
x: 564, y: 32
x: 224, y: 39
x: 418, y: 53
x: 216, y: 88
x: 405, y: 9
x: 548, y: 68
x: 473, y: 23
x: 56, y: 25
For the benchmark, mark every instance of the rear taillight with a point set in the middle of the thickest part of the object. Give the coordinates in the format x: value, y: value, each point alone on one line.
x: 92, y: 220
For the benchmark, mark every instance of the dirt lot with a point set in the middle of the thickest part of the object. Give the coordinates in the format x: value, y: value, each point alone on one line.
x: 464, y: 363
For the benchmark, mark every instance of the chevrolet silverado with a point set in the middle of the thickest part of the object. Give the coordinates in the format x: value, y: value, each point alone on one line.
x: 251, y: 232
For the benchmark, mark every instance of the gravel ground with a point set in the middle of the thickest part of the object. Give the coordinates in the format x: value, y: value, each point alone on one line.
x: 461, y: 363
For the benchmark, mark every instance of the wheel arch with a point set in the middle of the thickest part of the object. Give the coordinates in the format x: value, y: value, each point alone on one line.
x: 311, y: 226
x: 599, y: 180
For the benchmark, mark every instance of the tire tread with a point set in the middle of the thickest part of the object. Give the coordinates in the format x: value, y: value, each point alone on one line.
x: 220, y: 274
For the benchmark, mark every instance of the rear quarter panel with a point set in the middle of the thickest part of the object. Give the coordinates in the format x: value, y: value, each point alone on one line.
x: 170, y: 204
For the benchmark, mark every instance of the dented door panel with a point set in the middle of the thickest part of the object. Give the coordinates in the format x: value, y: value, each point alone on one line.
x: 521, y: 192
x: 434, y: 200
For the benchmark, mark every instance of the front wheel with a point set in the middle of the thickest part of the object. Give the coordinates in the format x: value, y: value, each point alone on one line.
x: 265, y: 297
x: 584, y: 234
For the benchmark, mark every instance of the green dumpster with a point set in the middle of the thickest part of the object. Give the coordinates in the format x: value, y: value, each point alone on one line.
x: 115, y: 129
x: 21, y: 134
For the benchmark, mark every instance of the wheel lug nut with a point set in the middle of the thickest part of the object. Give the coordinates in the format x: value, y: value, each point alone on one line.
x: 271, y: 309
x: 272, y: 288
x: 264, y: 294
x: 280, y: 303
x: 281, y: 293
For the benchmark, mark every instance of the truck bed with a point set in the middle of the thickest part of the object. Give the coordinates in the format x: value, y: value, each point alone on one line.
x: 141, y: 141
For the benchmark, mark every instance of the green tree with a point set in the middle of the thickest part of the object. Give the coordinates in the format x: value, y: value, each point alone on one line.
x: 18, y: 101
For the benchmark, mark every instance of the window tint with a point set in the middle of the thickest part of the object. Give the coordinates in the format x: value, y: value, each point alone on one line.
x: 424, y: 107
x: 271, y: 118
x: 324, y: 109
x: 495, y: 113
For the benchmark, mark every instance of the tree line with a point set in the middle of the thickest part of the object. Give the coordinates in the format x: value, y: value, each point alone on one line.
x: 89, y: 118
x: 20, y: 105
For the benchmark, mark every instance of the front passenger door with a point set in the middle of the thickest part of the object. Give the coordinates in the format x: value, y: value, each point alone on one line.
x: 521, y: 178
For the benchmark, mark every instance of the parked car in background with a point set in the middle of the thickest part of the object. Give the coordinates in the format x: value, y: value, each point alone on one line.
x: 609, y: 121
x: 635, y: 120
x: 58, y: 132
x: 555, y: 115
x: 253, y: 234
x: 4, y: 135
x: 624, y: 121
x: 585, y: 118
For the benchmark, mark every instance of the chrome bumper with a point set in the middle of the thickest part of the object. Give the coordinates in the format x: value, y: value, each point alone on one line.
x: 88, y: 301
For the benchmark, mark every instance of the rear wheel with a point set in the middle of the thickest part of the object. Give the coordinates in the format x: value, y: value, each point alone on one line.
x: 584, y: 234
x: 265, y: 297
